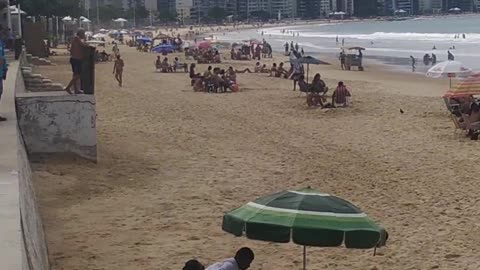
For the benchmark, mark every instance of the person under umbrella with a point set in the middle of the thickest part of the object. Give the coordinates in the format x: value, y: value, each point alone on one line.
x: 242, y: 260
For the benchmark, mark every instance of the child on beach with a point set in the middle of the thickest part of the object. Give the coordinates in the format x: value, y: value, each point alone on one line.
x: 118, y: 70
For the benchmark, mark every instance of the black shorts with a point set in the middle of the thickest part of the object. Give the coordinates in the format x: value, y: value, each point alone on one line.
x: 76, y: 66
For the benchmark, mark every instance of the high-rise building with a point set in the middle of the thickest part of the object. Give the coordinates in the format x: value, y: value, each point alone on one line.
x: 365, y: 8
x: 425, y: 6
x: 346, y: 6
x: 183, y: 8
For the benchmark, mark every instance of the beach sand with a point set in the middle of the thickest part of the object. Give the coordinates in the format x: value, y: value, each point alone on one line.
x: 171, y: 162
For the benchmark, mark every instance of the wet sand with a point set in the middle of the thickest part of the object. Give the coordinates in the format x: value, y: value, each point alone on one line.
x: 172, y: 161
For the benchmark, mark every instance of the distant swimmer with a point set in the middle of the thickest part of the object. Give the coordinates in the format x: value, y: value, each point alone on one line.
x: 434, y: 48
x: 464, y: 36
x: 371, y: 42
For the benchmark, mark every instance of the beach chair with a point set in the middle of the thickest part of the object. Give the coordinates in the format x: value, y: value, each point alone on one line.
x: 456, y: 124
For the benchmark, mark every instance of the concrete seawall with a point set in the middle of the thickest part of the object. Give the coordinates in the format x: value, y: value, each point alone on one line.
x: 42, y: 122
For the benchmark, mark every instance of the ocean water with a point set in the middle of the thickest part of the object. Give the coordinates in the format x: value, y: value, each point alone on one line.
x: 391, y: 42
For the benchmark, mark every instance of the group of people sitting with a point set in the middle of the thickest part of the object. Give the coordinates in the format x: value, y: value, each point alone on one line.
x: 164, y: 66
x: 214, y: 80
x: 466, y: 111
x: 317, y: 93
x: 203, y: 56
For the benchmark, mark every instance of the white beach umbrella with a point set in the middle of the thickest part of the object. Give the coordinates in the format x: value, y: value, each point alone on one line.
x: 67, y: 19
x: 99, y: 35
x: 121, y: 20
x: 449, y: 69
x: 84, y: 19
x: 14, y: 11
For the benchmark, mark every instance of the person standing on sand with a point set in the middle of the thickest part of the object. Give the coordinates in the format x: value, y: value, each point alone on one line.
x: 3, y: 73
x: 286, y: 47
x: 242, y: 260
x: 118, y: 70
x: 434, y: 59
x: 76, y: 60
x: 343, y: 42
x: 413, y: 63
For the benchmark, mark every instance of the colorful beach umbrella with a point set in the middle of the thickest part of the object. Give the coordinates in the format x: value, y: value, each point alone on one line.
x: 306, y: 217
x: 204, y: 45
x: 467, y: 87
x: 449, y: 69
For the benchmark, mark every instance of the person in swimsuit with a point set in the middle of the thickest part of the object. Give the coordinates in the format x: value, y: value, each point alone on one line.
x: 76, y: 57
x: 118, y: 69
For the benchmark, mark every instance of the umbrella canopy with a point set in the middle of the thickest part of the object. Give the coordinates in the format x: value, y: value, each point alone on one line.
x: 204, y: 45
x: 67, y: 19
x: 448, y: 69
x: 468, y: 87
x: 120, y: 20
x: 306, y: 217
x: 163, y: 48
x: 93, y: 41
x: 400, y: 11
x: 144, y: 39
x: 455, y: 9
x: 14, y: 11
x: 99, y: 35
x: 84, y: 19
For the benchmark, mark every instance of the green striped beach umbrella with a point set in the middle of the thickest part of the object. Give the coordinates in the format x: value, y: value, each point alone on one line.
x: 308, y: 218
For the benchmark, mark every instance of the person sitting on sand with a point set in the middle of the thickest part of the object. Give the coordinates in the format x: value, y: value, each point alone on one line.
x: 193, y: 265
x: 231, y: 75
x: 178, y: 65
x: 281, y: 71
x: 256, y: 69
x: 341, y: 95
x: 273, y: 70
x: 472, y: 121
x: 318, y: 85
x: 158, y: 63
x: 242, y: 260
x: 166, y: 66
x: 208, y: 73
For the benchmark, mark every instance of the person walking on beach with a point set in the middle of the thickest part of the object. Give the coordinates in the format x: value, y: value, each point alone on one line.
x: 291, y: 46
x: 296, y: 46
x: 413, y: 63
x: 3, y: 73
x: 118, y: 70
x: 336, y: 39
x: 434, y: 59
x: 76, y: 57
x: 286, y: 47
x: 343, y: 42
x: 242, y: 260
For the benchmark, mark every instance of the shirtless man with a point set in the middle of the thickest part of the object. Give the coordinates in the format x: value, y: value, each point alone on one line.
x: 118, y: 69
x: 76, y: 57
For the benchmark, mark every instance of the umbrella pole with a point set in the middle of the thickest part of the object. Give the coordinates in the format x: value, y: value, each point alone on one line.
x: 305, y: 255
x: 308, y: 65
x: 450, y: 83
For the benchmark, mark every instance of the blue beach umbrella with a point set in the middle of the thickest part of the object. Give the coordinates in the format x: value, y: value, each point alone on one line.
x: 163, y: 48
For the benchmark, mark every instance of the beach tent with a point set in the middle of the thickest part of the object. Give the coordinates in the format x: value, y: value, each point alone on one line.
x: 306, y: 217
x: 449, y: 69
x: 468, y: 87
